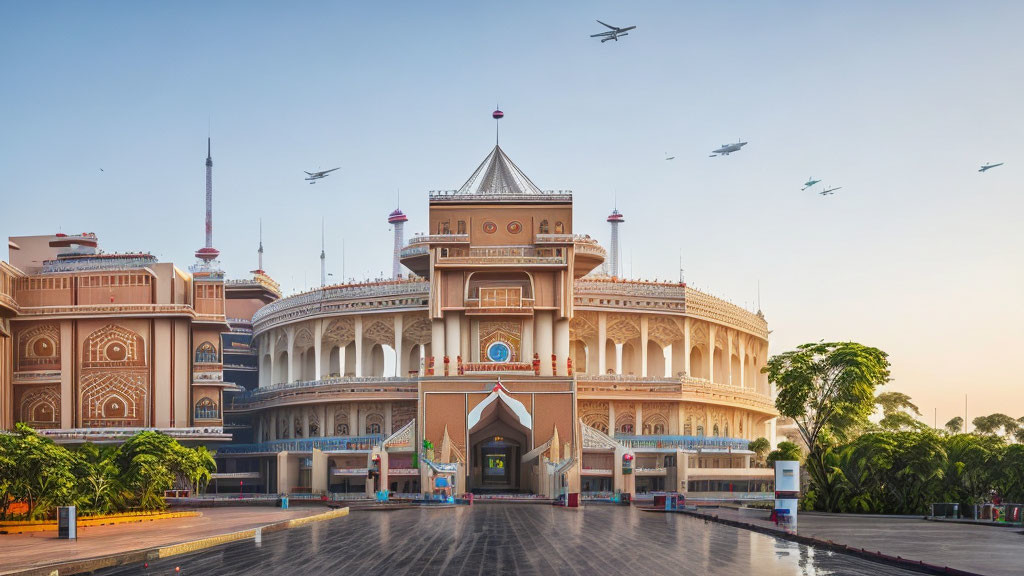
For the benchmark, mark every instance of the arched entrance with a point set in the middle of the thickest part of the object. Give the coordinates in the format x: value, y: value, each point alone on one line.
x: 499, y: 435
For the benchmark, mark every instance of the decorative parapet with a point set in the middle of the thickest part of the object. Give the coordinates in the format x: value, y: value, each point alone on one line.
x: 118, y: 310
x: 344, y: 299
x: 456, y: 198
x: 685, y: 388
x: 628, y: 295
x: 708, y: 307
x: 438, y: 239
x: 72, y: 435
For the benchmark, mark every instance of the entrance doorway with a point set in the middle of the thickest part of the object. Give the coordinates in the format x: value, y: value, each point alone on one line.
x: 497, y: 443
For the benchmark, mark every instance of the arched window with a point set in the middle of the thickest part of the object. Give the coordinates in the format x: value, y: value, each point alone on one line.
x: 206, y: 409
x: 700, y: 430
x: 714, y: 430
x: 374, y: 423
x: 342, y: 429
x: 206, y: 353
x: 314, y: 429
x: 559, y: 228
x: 659, y: 429
x: 626, y: 429
x: 688, y: 427
x: 543, y: 228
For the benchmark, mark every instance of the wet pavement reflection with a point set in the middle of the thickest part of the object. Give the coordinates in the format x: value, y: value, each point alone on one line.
x: 524, y: 539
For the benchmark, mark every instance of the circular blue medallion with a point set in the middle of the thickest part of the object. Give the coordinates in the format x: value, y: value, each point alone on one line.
x: 499, y: 352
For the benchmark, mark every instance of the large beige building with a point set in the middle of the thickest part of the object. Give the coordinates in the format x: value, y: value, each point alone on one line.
x: 96, y: 346
x: 508, y: 361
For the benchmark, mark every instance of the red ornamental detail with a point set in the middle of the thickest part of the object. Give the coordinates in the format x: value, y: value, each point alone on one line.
x: 490, y: 227
x: 498, y: 115
x: 514, y: 227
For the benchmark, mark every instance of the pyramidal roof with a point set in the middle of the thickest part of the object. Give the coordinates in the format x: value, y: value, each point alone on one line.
x: 498, y: 174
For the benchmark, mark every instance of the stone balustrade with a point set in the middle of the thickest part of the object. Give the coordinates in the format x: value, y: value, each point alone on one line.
x: 306, y: 445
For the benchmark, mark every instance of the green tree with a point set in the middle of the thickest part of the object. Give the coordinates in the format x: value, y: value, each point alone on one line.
x: 898, y: 412
x: 100, y: 482
x: 786, y: 451
x: 996, y: 424
x: 955, y: 425
x: 759, y: 447
x: 43, y: 472
x: 827, y: 388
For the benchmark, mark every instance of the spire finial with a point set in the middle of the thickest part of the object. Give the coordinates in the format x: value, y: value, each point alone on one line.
x: 497, y: 115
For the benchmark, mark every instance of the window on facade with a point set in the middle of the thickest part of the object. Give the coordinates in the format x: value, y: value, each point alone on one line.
x: 206, y: 409
x: 559, y: 228
x: 714, y: 430
x: 342, y: 430
x: 543, y: 228
x: 700, y: 430
x: 206, y: 353
x: 659, y: 428
x: 626, y: 429
x: 461, y: 227
x: 445, y: 228
x: 373, y: 428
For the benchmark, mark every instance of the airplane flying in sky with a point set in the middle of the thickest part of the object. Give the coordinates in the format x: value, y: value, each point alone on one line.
x: 727, y: 149
x: 613, y: 34
x: 989, y: 167
x: 667, y: 157
x: 810, y: 182
x: 830, y: 191
x: 314, y: 176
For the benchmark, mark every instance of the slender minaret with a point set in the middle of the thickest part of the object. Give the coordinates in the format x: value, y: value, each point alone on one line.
x: 398, y: 220
x: 615, y: 219
x: 323, y: 257
x: 208, y: 253
x: 260, y: 251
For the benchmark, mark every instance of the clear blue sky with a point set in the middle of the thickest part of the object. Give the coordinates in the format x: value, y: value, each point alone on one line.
x: 897, y: 102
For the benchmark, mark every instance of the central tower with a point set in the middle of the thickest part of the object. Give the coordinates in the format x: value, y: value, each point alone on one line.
x: 498, y: 395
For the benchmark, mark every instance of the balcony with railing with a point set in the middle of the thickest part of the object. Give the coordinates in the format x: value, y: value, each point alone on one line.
x: 438, y: 239
x: 673, y: 442
x: 502, y: 255
x: 323, y: 389
x: 306, y: 445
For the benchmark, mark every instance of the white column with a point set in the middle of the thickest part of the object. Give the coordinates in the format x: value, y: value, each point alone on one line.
x: 437, y: 344
x: 618, y: 358
x: 743, y: 362
x: 669, y: 351
x: 453, y: 339
x: 562, y: 345
x: 271, y: 337
x: 639, y: 409
x: 542, y: 335
x: 359, y: 346
x: 399, y: 353
x: 711, y: 353
x: 602, y: 341
x: 728, y: 359
x: 323, y: 420
x: 290, y: 331
x: 527, y: 341
x: 611, y: 425
x: 387, y: 431
x: 305, y: 422
x: 318, y: 333
x: 353, y: 420
x: 643, y: 345
x: 686, y: 346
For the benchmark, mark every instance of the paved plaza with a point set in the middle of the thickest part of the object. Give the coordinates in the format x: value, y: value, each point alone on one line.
x: 516, y: 539
x: 22, y: 551
x: 991, y: 550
